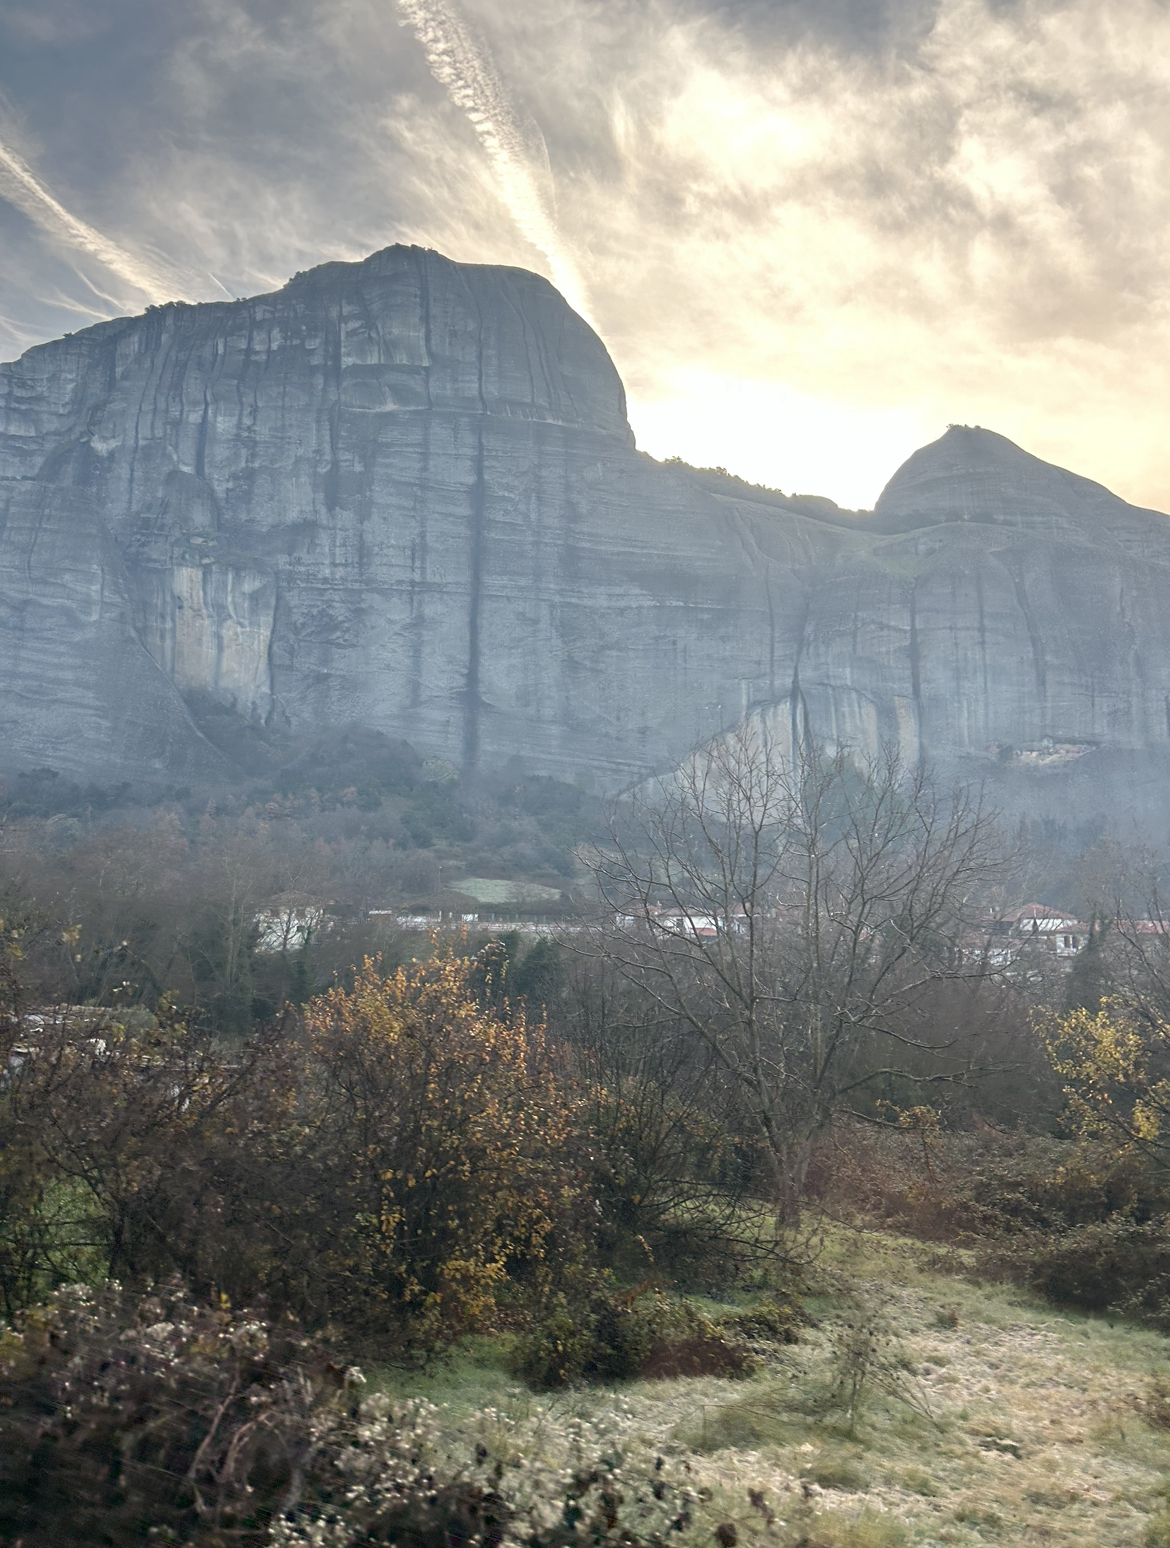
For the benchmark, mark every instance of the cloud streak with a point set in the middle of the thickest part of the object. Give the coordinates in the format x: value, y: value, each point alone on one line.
x: 459, y: 59
x: 20, y: 187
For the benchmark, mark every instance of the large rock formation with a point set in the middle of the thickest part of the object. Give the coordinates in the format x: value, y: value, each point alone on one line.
x: 404, y: 493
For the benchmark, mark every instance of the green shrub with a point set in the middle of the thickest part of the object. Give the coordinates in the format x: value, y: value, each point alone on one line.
x: 596, y: 1336
x: 776, y: 1320
x: 556, y: 1348
x: 1114, y: 1265
x: 607, y: 1335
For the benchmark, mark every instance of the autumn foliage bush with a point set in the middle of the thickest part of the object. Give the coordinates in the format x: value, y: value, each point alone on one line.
x: 1099, y: 1237
x: 405, y: 1162
x: 439, y: 1155
x: 1083, y: 1219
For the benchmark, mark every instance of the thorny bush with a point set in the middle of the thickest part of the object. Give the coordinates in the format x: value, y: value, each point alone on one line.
x: 124, y: 1415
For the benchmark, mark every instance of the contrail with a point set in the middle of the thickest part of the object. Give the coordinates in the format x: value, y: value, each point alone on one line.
x: 20, y: 187
x: 459, y: 59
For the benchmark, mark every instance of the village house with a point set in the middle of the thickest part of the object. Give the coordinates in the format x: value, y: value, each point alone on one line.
x: 1051, y: 929
x: 289, y: 922
x: 693, y: 924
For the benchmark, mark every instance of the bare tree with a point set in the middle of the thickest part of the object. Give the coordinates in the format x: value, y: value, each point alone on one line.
x: 793, y: 913
x: 1125, y: 964
x: 678, y: 1191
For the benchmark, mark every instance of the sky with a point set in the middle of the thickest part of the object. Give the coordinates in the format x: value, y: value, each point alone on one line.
x: 812, y: 233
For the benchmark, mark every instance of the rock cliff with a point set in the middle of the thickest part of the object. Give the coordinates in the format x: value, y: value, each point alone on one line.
x: 404, y: 493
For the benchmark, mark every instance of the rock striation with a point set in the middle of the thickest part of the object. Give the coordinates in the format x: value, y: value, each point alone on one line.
x: 404, y: 493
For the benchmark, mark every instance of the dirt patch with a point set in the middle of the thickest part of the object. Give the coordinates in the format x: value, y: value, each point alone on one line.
x: 701, y: 1355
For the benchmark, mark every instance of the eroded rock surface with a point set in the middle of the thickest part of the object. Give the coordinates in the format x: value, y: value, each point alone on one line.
x: 404, y: 493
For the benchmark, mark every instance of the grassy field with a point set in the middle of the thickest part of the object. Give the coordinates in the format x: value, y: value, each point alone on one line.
x: 981, y: 1416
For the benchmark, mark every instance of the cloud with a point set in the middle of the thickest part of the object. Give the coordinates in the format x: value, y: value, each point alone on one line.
x: 68, y: 22
x: 842, y: 225
x: 460, y: 60
x: 968, y: 226
x: 20, y: 187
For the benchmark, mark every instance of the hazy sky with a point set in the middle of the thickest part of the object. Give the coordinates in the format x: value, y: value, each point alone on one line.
x: 812, y: 232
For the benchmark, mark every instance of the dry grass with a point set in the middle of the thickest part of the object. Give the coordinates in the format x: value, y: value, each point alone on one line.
x: 1026, y: 1425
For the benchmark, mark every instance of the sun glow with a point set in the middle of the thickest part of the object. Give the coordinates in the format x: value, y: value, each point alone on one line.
x: 768, y: 433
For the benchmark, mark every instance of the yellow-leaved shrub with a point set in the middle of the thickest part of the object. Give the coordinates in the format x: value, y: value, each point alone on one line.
x: 443, y: 1149
x: 1116, y: 1075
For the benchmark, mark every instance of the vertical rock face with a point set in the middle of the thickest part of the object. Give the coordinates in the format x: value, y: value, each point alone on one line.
x: 299, y: 488
x: 1035, y: 600
x: 404, y: 493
